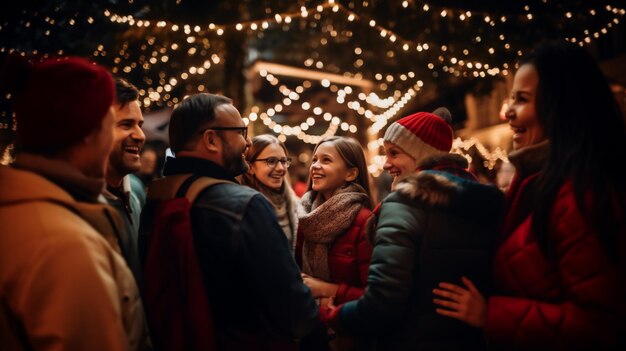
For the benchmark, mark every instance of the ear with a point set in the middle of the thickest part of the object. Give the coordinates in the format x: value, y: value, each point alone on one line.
x: 251, y: 168
x: 353, y: 173
x: 211, y: 141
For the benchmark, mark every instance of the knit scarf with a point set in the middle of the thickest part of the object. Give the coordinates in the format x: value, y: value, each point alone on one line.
x: 284, y: 203
x: 321, y: 222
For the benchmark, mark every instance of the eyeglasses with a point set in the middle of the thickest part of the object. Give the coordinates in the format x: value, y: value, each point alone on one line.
x: 273, y: 161
x: 241, y: 130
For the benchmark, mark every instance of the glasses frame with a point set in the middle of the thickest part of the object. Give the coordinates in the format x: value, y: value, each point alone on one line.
x: 286, y: 162
x: 243, y: 129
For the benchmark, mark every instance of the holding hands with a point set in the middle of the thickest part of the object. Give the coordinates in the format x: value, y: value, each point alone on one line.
x: 465, y: 304
x: 324, y: 292
x: 319, y: 288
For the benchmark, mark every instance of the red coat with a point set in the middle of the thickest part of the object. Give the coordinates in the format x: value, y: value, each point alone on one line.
x: 575, y: 300
x: 348, y: 259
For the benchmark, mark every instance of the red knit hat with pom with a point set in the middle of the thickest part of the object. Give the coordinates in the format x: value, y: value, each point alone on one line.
x: 61, y: 102
x: 421, y: 135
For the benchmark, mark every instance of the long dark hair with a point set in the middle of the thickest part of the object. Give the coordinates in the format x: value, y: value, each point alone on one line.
x: 583, y: 122
x: 352, y: 154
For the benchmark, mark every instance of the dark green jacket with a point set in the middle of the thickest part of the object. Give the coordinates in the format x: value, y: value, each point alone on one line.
x: 436, y: 227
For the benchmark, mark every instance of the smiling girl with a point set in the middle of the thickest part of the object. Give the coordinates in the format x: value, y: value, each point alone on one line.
x: 333, y: 248
x: 268, y: 174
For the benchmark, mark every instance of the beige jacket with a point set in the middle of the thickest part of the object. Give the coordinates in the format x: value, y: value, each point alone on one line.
x: 63, y: 285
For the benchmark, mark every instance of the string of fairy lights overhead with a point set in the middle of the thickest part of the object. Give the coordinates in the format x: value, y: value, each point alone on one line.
x: 161, y: 54
x: 452, y: 64
x: 459, y: 146
x: 290, y: 97
x: 455, y: 65
x: 586, y: 36
x: 490, y: 159
x: 392, y: 106
x: 202, y: 43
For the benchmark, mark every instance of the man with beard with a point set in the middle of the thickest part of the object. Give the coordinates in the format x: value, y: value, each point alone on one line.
x: 123, y: 190
x: 252, y: 283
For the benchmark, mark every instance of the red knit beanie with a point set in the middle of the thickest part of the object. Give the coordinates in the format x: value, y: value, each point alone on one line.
x: 421, y: 135
x: 61, y: 102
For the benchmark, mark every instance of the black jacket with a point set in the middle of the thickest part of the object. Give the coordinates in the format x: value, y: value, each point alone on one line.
x: 436, y: 227
x: 253, y: 284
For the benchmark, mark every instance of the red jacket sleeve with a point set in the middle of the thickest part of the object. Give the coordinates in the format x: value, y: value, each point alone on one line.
x: 588, y: 309
x: 346, y: 292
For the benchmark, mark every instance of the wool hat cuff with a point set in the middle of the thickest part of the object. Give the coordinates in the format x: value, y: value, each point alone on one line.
x: 411, y: 144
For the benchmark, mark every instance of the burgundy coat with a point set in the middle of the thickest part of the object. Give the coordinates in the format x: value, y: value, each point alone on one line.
x: 576, y: 299
x: 348, y: 259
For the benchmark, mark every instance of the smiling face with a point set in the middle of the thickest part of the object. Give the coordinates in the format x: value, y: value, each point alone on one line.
x: 329, y: 171
x: 270, y: 177
x: 398, y: 163
x: 522, y: 111
x: 129, y: 139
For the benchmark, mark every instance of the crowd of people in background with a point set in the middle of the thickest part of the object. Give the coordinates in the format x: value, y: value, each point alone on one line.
x: 102, y: 249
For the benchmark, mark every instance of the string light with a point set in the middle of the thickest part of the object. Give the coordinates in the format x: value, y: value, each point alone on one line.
x: 161, y: 53
x: 402, y: 44
x: 461, y: 147
x: 457, y: 61
x: 380, y: 120
x: 256, y: 25
x: 454, y: 69
x: 298, y: 131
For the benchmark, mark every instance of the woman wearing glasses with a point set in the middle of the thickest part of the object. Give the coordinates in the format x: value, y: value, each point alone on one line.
x: 268, y: 162
x: 333, y: 248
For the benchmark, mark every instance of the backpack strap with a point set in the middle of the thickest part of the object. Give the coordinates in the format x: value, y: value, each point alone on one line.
x: 186, y: 184
x: 197, y: 185
x: 181, y: 185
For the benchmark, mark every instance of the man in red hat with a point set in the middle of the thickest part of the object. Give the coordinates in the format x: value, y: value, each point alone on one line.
x: 63, y: 284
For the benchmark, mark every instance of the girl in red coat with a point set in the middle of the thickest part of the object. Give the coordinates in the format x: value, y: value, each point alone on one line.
x: 333, y: 248
x: 560, y: 268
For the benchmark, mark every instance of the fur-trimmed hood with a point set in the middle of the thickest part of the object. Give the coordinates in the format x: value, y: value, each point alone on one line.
x: 453, y: 193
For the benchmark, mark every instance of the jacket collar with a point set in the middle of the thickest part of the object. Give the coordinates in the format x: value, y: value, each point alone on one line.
x: 81, y: 187
x: 456, y: 190
x: 528, y: 162
x: 113, y: 193
x: 530, y: 159
x: 449, y: 163
x: 122, y: 193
